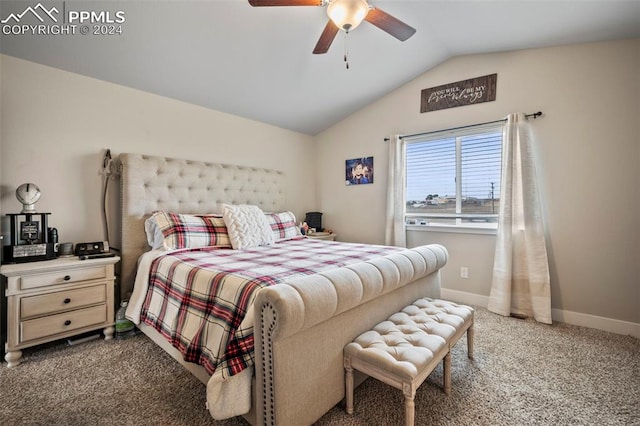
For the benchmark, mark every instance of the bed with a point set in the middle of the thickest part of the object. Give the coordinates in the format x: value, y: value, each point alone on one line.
x: 299, y: 322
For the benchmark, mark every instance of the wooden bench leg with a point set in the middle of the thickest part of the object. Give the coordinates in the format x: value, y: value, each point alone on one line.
x: 470, y: 335
x: 349, y: 385
x: 409, y: 392
x: 446, y: 367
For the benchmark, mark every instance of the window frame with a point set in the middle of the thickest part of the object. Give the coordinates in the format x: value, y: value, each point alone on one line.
x: 459, y: 226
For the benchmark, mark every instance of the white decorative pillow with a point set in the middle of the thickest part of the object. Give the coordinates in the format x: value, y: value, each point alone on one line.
x: 154, y: 233
x: 247, y: 226
x: 283, y: 225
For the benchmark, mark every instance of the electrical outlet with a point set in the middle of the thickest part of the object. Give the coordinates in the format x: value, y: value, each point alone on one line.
x: 464, y: 272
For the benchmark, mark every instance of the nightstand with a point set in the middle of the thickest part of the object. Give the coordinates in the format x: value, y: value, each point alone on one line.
x: 322, y: 236
x: 54, y: 299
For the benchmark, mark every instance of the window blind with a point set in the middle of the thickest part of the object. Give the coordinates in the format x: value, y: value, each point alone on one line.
x: 455, y: 176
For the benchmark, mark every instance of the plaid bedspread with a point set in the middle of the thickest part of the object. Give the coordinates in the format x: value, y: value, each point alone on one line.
x: 201, y: 300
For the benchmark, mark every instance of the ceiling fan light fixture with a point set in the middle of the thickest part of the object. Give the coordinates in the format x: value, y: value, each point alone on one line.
x: 347, y: 14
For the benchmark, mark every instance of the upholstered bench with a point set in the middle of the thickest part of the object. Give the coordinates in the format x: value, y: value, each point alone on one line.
x: 429, y: 311
x: 403, y: 350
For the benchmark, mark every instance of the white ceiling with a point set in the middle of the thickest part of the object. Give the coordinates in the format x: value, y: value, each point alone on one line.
x: 257, y: 62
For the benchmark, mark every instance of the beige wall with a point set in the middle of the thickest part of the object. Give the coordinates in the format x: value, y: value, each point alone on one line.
x: 56, y: 125
x: 588, y: 152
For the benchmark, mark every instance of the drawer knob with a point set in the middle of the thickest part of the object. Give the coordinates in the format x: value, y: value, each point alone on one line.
x: 67, y: 277
x: 67, y: 322
x: 67, y: 300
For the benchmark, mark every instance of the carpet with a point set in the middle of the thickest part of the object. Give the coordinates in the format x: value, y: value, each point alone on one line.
x: 524, y: 373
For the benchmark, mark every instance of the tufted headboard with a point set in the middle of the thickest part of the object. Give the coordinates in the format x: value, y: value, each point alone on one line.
x: 184, y: 186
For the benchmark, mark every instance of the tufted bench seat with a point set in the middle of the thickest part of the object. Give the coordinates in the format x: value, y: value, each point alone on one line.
x: 403, y: 350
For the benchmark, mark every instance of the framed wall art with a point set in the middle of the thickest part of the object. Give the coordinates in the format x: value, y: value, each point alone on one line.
x: 461, y: 93
x: 359, y: 171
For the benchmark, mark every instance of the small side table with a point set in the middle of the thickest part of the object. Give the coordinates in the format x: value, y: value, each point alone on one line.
x: 322, y: 236
x: 54, y: 299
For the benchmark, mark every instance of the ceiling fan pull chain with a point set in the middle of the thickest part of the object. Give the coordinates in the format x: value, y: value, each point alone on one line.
x: 346, y: 51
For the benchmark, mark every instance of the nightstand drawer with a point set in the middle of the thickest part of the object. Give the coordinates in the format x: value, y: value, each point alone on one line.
x: 62, y: 301
x: 62, y: 277
x: 54, y: 299
x: 61, y: 323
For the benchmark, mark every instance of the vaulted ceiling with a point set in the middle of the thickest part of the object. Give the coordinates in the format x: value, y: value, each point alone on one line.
x: 257, y: 62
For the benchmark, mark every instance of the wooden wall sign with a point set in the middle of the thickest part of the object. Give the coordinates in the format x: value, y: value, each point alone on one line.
x: 461, y: 93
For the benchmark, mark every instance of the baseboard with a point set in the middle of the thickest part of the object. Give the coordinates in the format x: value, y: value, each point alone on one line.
x: 568, y: 317
x: 600, y: 323
x: 464, y: 297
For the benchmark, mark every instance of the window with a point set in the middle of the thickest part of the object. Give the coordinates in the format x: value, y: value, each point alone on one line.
x: 453, y: 178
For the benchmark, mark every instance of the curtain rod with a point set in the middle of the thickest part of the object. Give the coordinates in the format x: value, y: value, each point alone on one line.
x: 534, y: 115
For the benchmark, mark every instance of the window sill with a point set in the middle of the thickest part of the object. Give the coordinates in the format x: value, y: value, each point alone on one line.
x: 457, y: 229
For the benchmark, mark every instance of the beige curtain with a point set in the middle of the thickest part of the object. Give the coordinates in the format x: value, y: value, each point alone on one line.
x: 395, y: 233
x: 521, y: 268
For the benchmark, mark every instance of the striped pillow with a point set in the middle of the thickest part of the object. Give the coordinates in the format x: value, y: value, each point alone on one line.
x: 283, y: 225
x: 183, y: 231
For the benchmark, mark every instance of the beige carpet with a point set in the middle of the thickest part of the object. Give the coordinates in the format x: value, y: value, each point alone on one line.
x: 524, y: 373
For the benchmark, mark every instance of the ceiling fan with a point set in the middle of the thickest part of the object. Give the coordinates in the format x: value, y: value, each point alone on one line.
x: 346, y: 15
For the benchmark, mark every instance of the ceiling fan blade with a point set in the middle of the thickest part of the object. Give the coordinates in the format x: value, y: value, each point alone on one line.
x: 259, y: 3
x: 390, y: 24
x: 326, y: 38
